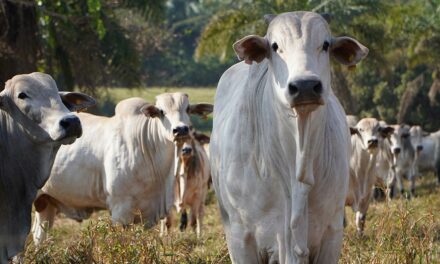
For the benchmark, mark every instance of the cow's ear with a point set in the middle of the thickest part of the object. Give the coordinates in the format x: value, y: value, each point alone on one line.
x: 354, y: 131
x: 252, y: 48
x: 348, y: 51
x: 76, y: 102
x: 202, y: 138
x: 386, y: 131
x: 200, y: 109
x: 151, y: 111
x: 327, y: 16
x: 268, y: 18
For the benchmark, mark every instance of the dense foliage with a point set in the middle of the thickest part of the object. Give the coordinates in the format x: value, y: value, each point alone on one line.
x: 398, y: 82
x: 89, y: 43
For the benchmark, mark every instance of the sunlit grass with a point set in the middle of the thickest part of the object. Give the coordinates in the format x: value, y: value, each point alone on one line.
x: 402, y: 231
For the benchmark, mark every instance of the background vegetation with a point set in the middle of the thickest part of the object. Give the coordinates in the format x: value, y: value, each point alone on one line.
x: 142, y: 43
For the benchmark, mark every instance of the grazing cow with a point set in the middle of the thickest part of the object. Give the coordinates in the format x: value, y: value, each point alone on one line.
x: 427, y: 148
x: 35, y: 120
x: 191, y: 184
x: 280, y: 143
x: 124, y: 163
x: 403, y: 156
x: 365, y: 149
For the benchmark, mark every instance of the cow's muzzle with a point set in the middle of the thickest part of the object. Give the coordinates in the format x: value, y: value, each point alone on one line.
x: 372, y: 143
x: 72, y: 127
x: 181, y: 132
x: 419, y: 148
x: 186, y: 151
x: 396, y: 151
x: 306, y: 92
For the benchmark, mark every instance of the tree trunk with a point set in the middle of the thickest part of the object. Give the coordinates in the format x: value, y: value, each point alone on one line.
x: 19, y: 43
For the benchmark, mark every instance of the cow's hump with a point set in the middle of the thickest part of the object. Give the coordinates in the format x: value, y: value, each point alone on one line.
x: 130, y: 106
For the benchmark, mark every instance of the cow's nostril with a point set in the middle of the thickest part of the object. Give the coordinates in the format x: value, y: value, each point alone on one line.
x: 175, y: 130
x: 396, y: 150
x: 64, y: 124
x: 318, y: 88
x: 72, y: 126
x: 293, y: 89
x: 419, y: 148
x: 185, y: 129
x: 372, y: 141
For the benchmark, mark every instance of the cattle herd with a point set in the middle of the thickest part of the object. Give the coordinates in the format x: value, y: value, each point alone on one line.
x: 283, y: 157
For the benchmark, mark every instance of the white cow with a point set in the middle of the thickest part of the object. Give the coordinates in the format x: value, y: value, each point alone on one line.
x: 427, y: 148
x: 191, y: 184
x: 403, y: 156
x: 35, y: 120
x: 365, y: 152
x: 124, y: 163
x: 280, y: 144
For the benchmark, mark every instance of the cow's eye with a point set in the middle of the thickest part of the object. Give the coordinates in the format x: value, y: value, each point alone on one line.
x: 325, y: 45
x: 22, y: 96
x: 275, y: 46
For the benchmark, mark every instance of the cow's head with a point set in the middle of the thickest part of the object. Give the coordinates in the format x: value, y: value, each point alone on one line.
x: 399, y: 139
x: 174, y: 109
x: 417, y: 134
x: 371, y: 132
x: 298, y: 46
x: 34, y: 102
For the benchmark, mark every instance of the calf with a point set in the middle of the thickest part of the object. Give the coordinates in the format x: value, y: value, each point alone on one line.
x: 191, y: 184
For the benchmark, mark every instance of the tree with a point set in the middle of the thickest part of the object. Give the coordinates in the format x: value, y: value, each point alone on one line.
x: 80, y: 42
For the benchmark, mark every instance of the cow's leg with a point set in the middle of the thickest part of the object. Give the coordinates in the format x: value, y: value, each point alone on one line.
x: 167, y: 223
x: 361, y: 214
x: 197, y: 212
x: 122, y: 213
x: 399, y: 180
x: 331, y: 244
x: 413, y: 184
x: 43, y: 221
x: 242, y: 245
x: 437, y: 171
x: 183, y: 220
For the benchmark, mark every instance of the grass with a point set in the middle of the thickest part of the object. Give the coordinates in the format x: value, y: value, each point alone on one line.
x: 400, y: 231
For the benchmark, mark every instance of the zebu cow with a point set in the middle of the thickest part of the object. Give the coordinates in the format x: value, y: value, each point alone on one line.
x: 34, y: 123
x: 191, y: 184
x: 280, y: 144
x: 427, y: 148
x: 124, y: 163
x: 365, y: 150
x: 404, y: 156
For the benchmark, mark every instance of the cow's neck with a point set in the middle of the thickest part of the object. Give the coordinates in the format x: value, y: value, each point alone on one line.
x: 24, y: 167
x: 157, y: 149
